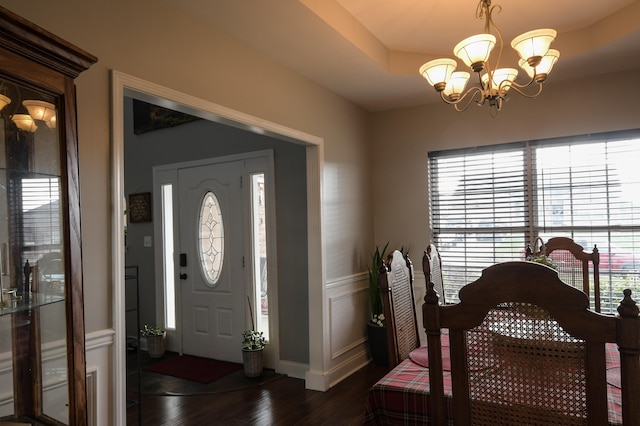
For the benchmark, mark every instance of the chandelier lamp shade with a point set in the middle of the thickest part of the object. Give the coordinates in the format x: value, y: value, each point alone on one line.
x: 36, y: 111
x: 24, y: 122
x: 493, y: 82
x: 42, y: 111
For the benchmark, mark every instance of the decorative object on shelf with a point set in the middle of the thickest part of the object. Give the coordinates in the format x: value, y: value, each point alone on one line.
x: 253, y: 343
x: 376, y: 332
x: 140, y: 207
x: 156, y: 337
x: 536, y: 59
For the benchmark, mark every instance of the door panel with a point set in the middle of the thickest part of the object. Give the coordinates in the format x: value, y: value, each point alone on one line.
x: 212, y: 304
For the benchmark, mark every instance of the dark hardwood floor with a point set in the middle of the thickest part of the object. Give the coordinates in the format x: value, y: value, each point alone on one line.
x: 281, y: 402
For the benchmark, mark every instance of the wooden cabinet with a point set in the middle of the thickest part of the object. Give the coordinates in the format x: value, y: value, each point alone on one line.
x: 42, y: 353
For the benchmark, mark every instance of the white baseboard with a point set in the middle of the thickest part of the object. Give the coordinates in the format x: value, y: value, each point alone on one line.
x: 292, y: 369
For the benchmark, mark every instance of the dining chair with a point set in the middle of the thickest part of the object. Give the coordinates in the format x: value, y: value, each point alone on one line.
x: 432, y: 268
x: 396, y: 287
x: 526, y: 348
x: 575, y: 265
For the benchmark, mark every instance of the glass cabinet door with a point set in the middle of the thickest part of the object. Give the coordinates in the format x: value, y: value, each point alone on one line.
x: 42, y: 353
x: 32, y: 255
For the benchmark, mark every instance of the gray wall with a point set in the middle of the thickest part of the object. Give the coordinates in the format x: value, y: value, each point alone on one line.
x: 205, y: 139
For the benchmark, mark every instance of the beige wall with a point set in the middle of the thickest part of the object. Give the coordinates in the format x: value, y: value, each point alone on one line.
x: 404, y: 138
x: 150, y: 41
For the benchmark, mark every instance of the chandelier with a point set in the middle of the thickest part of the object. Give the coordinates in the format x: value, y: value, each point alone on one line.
x: 31, y: 111
x: 536, y: 59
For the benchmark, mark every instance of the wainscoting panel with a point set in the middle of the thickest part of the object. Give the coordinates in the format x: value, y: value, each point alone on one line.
x: 348, y: 303
x: 92, y: 401
x: 101, y: 400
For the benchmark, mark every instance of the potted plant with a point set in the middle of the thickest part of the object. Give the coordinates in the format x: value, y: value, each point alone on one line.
x: 376, y: 331
x: 155, y: 340
x: 253, y: 343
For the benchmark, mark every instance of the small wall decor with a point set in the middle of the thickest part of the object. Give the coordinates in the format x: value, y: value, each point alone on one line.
x: 140, y: 207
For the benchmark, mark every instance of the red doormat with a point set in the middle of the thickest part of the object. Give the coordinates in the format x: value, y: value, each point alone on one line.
x: 194, y: 368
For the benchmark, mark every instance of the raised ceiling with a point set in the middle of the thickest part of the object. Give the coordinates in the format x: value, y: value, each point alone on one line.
x: 369, y: 51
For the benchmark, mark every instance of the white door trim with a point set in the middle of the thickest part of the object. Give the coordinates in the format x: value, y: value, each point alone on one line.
x: 126, y: 85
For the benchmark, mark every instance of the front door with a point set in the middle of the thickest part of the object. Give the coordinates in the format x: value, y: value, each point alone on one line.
x: 211, y: 260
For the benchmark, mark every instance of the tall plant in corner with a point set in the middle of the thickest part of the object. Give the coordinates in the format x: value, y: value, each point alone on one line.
x: 253, y: 342
x: 375, y: 298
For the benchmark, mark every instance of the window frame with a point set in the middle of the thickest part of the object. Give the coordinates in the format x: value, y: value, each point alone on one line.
x: 467, y: 247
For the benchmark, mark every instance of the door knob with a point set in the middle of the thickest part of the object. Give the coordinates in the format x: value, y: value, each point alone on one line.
x: 183, y: 276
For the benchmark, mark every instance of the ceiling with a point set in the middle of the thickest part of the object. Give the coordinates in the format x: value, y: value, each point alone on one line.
x: 369, y: 51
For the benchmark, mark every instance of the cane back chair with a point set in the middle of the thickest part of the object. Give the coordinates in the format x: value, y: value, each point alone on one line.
x: 526, y: 349
x: 574, y: 265
x: 396, y: 286
x: 432, y: 268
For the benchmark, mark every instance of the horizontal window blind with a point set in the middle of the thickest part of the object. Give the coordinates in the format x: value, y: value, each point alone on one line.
x: 487, y: 204
x: 41, y: 217
x: 589, y: 191
x: 478, y: 210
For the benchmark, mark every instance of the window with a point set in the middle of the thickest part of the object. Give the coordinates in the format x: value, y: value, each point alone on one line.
x: 168, y: 270
x: 259, y: 244
x: 211, y: 238
x: 488, y: 203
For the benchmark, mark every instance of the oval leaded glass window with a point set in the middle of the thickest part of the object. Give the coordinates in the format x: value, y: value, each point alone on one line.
x: 211, y: 238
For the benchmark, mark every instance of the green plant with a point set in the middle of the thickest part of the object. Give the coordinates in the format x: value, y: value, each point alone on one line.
x: 545, y: 260
x: 151, y: 331
x: 253, y: 340
x: 375, y: 298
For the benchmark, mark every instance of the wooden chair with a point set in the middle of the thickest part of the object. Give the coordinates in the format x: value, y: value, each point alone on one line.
x: 526, y: 349
x: 432, y: 268
x: 573, y: 265
x: 396, y: 287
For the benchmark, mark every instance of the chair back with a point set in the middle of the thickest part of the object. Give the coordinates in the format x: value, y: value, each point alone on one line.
x: 574, y: 266
x: 396, y: 286
x: 432, y: 268
x: 526, y: 349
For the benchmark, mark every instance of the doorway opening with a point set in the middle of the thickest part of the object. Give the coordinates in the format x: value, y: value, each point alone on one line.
x: 125, y: 85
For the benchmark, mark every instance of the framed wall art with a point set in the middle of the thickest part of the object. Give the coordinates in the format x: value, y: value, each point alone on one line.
x: 140, y: 207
